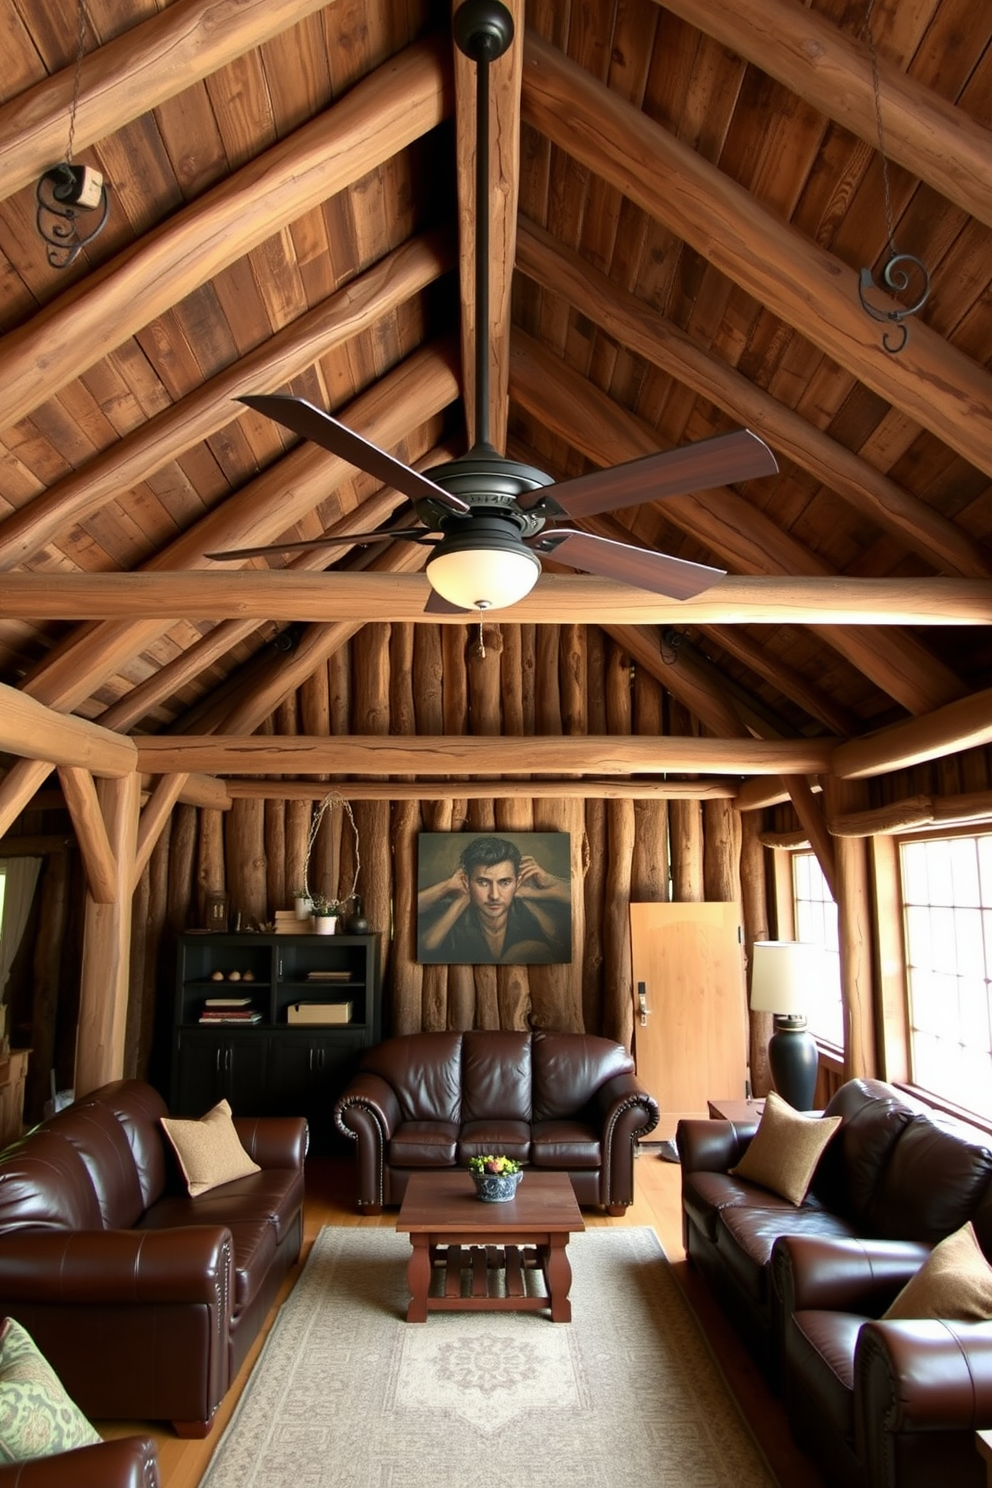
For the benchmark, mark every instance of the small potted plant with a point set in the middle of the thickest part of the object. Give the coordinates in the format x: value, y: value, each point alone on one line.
x: 302, y: 903
x: 496, y: 1178
x: 325, y: 914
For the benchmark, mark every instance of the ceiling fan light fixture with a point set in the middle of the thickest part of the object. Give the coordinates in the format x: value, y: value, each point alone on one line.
x: 484, y: 568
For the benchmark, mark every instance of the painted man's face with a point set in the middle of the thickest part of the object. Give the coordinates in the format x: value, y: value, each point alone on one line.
x: 492, y: 889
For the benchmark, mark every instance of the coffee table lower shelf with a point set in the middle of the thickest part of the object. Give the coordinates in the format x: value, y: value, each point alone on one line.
x: 498, y: 1278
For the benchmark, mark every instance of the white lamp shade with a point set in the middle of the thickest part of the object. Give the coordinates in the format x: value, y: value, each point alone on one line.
x: 784, y: 974
x: 478, y: 578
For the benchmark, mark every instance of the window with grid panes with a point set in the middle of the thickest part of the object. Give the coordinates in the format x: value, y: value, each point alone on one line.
x: 947, y: 906
x: 816, y: 924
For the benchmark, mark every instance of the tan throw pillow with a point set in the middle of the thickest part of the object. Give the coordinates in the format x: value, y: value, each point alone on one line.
x: 954, y: 1282
x: 785, y: 1149
x: 209, y: 1150
x: 37, y: 1418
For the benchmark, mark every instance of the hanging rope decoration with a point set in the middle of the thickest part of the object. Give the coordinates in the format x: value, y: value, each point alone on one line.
x: 332, y: 799
x: 901, y: 270
x: 67, y: 189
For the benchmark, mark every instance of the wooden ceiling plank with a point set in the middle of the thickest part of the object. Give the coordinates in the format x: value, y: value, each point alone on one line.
x: 791, y: 683
x: 29, y: 729
x: 91, y: 833
x: 378, y: 754
x: 504, y: 190
x: 132, y: 74
x: 732, y: 527
x: 280, y: 594
x: 388, y: 110
x: 929, y: 136
x: 959, y: 725
x: 808, y: 287
x: 651, y: 335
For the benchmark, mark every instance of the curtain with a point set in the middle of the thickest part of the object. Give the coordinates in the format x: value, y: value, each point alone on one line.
x: 21, y: 876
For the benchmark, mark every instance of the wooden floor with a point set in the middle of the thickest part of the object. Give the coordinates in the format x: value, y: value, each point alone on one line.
x: 329, y: 1201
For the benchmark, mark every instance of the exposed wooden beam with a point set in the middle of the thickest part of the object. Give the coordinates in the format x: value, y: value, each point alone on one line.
x: 131, y: 75
x: 29, y: 729
x: 912, y: 812
x: 810, y: 812
x: 153, y: 818
x: 488, y: 790
x: 960, y: 725
x: 791, y: 683
x: 377, y: 754
x: 732, y: 527
x: 206, y: 791
x: 716, y: 710
x: 280, y: 594
x: 930, y: 380
x: 403, y: 99
x: 91, y: 833
x: 650, y: 334
x: 755, y: 795
x: 209, y: 407
x: 929, y: 136
x: 504, y: 189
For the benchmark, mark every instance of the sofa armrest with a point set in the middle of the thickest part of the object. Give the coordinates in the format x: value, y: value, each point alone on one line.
x: 623, y: 1093
x: 713, y: 1146
x: 188, y: 1264
x: 274, y: 1141
x: 368, y: 1097
x: 833, y: 1274
x: 627, y: 1112
x: 128, y: 1462
x: 921, y: 1375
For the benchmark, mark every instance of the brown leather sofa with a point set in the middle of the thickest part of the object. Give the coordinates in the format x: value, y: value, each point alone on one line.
x: 144, y: 1300
x: 566, y: 1101
x: 129, y: 1462
x: 878, y: 1404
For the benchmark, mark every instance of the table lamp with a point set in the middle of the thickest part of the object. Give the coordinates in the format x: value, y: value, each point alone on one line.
x: 783, y: 975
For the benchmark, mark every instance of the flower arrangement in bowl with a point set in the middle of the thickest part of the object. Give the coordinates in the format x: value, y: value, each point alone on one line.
x: 496, y: 1178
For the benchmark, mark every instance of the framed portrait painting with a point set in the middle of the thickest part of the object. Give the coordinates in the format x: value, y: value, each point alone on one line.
x: 494, y: 898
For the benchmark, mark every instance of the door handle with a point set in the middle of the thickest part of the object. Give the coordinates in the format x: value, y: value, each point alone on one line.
x: 217, y: 1062
x: 642, y: 1003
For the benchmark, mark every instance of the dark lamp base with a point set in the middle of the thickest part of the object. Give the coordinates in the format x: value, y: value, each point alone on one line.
x: 793, y: 1057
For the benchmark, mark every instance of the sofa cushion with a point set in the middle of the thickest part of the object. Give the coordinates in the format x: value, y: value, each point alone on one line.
x: 705, y: 1194
x: 139, y: 1108
x: 496, y: 1077
x: 954, y: 1282
x: 424, y: 1144
x: 96, y: 1134
x: 37, y: 1417
x: 274, y: 1195
x: 209, y: 1150
x: 565, y: 1144
x: 45, y: 1184
x: 479, y: 1138
x: 821, y: 1349
x: 783, y: 1154
x: 424, y: 1070
x: 745, y: 1237
x: 569, y: 1068
x: 931, y: 1185
x: 848, y: 1174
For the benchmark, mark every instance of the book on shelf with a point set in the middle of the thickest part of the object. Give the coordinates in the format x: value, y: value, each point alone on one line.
x: 227, y: 1002
x: 329, y: 976
x: 230, y: 1015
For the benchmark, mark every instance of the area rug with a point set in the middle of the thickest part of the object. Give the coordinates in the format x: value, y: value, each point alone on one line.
x: 346, y: 1393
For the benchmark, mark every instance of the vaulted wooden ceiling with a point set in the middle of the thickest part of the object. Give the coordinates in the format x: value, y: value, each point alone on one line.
x: 684, y: 195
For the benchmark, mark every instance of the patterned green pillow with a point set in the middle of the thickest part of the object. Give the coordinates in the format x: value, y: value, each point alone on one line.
x: 37, y: 1417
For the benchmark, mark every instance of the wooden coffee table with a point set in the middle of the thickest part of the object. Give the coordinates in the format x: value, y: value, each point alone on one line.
x: 451, y: 1230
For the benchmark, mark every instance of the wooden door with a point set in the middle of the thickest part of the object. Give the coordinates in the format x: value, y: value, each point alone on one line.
x: 690, y: 1027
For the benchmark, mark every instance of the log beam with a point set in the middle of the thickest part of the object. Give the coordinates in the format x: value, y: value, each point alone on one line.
x: 931, y: 381
x: 35, y: 732
x: 133, y: 74
x: 648, y: 333
x: 912, y: 812
x: 91, y: 833
x: 832, y: 71
x: 153, y: 818
x: 810, y: 812
x: 290, y: 594
x: 587, y: 788
x: 403, y: 99
x: 961, y: 725
x: 713, y: 708
x: 372, y: 754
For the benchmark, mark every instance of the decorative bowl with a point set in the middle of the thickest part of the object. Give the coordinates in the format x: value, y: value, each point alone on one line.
x: 496, y: 1188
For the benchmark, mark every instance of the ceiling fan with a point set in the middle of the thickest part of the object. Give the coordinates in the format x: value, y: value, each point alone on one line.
x: 488, y: 518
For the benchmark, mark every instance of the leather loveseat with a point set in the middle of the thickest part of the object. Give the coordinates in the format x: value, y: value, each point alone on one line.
x: 566, y: 1101
x: 879, y: 1404
x: 144, y: 1300
x: 128, y: 1462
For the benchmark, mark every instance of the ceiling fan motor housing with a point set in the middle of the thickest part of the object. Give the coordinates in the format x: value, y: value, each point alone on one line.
x: 483, y: 29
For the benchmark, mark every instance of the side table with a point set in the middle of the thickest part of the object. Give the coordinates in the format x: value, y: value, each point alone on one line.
x: 735, y: 1110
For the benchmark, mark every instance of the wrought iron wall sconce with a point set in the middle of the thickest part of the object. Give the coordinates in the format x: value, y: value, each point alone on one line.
x: 63, y: 193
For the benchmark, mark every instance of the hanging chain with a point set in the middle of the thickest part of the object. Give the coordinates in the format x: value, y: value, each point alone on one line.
x: 900, y: 267
x: 480, y: 649
x: 81, y: 29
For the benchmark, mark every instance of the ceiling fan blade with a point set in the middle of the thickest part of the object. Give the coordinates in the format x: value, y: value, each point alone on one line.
x: 409, y: 534
x: 658, y: 572
x: 693, y: 467
x: 320, y: 427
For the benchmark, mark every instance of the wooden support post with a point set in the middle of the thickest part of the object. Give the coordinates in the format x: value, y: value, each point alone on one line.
x: 854, y: 922
x: 107, y: 946
x: 754, y: 901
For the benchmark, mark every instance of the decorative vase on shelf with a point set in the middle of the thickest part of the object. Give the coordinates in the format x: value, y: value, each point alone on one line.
x: 495, y: 1178
x: 325, y: 924
x: 357, y: 923
x: 303, y: 906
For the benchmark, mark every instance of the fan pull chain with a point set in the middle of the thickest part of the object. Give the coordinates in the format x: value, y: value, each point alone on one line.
x: 481, y: 648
